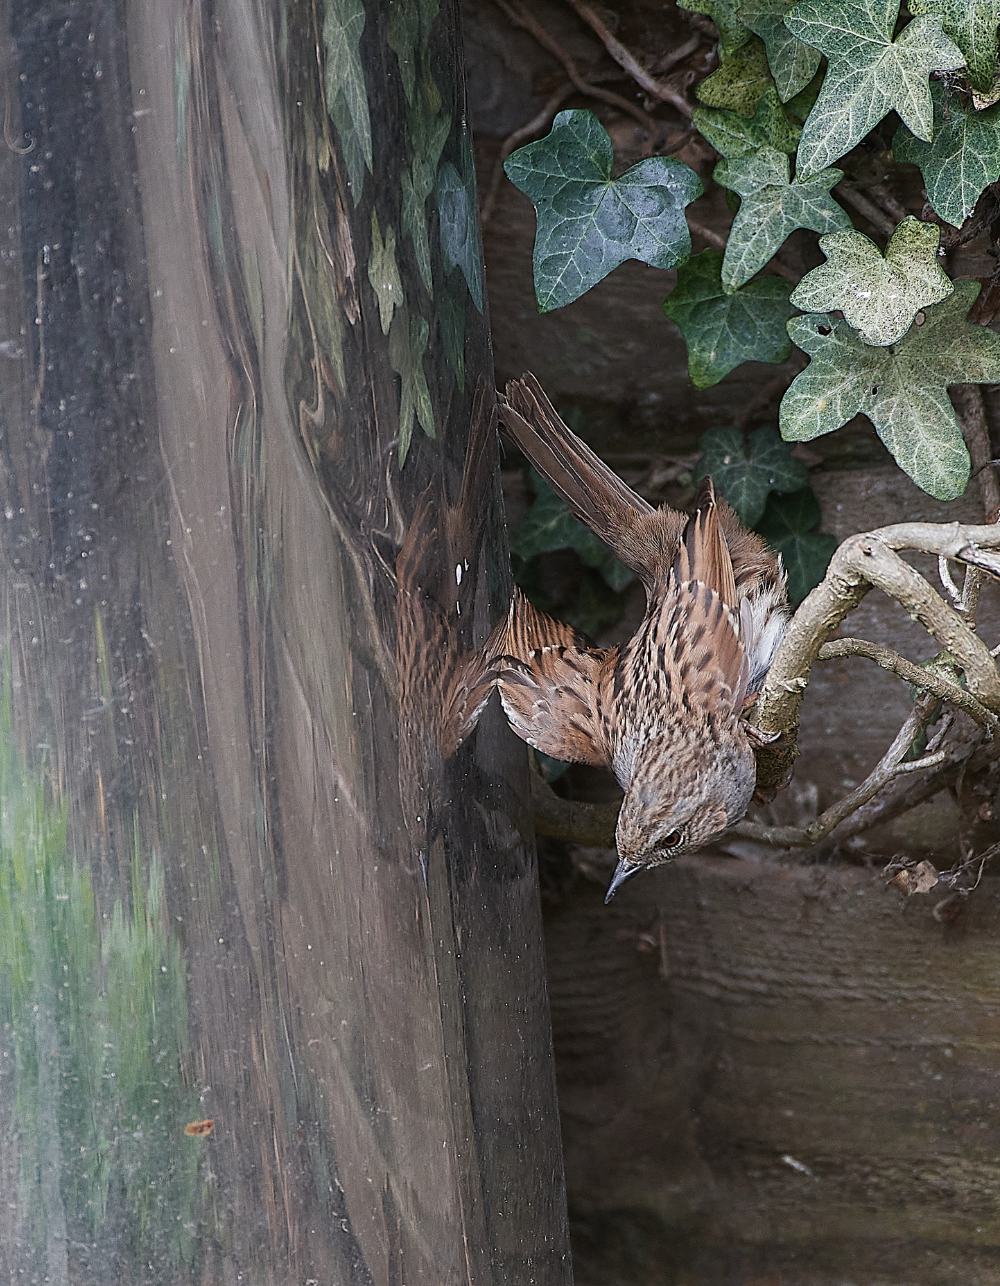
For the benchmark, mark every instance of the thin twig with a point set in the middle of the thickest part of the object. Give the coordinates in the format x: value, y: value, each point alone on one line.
x: 867, y: 209
x: 880, y: 776
x: 518, y: 136
x: 706, y: 234
x: 627, y: 61
x: 520, y: 17
x: 926, y: 680
x: 975, y: 429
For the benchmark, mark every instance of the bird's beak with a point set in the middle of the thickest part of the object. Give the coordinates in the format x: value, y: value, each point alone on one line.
x: 624, y: 871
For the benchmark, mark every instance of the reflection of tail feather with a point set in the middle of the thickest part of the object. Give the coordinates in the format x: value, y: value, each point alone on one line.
x: 443, y: 685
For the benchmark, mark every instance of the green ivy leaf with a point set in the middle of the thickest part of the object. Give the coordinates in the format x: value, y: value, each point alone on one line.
x: 724, y: 328
x: 588, y: 222
x: 746, y: 470
x: 902, y: 389
x: 972, y: 25
x: 548, y: 525
x: 787, y: 526
x: 740, y: 80
x: 869, y: 74
x: 733, y: 135
x: 963, y: 159
x: 792, y: 64
x: 407, y: 343
x: 772, y: 208
x: 879, y: 297
x: 732, y: 33
x: 383, y: 273
x: 346, y: 93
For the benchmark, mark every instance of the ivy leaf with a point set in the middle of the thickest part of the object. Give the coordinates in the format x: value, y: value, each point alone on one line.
x: 588, y: 222
x: 746, y: 470
x: 383, y: 273
x: 417, y: 187
x: 963, y: 159
x: 459, y: 228
x: 407, y: 343
x: 902, y: 389
x: 879, y: 297
x: 869, y: 74
x: 787, y: 526
x: 724, y: 328
x: 972, y: 24
x: 772, y: 208
x: 733, y: 135
x: 346, y: 93
x: 732, y: 33
x: 792, y: 64
x: 548, y: 525
x: 740, y: 80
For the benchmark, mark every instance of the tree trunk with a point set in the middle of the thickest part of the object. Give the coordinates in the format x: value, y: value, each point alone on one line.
x: 270, y: 948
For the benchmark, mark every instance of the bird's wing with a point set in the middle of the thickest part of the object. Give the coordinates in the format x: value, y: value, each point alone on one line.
x: 642, y: 537
x: 552, y: 685
x: 704, y: 555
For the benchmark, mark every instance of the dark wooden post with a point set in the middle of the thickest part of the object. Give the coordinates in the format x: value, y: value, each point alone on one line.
x: 271, y: 971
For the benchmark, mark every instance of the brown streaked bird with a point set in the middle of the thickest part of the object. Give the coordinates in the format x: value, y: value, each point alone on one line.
x: 664, y: 711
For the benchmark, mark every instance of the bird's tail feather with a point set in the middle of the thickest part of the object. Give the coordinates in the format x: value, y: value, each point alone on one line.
x: 595, y: 495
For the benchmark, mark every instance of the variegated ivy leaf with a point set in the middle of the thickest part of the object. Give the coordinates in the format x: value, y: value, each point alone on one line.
x: 771, y: 209
x: 346, y: 92
x: 722, y: 328
x: 740, y: 81
x: 383, y: 274
x: 902, y: 389
x: 963, y: 159
x: 407, y: 344
x: 733, y: 135
x: 589, y: 222
x: 732, y: 33
x: 869, y: 74
x: 793, y: 64
x: 879, y: 297
x: 972, y: 24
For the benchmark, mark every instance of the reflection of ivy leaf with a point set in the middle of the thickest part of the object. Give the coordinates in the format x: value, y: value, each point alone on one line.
x: 588, y: 222
x: 346, y: 94
x: 772, y: 208
x: 972, y: 24
x: 879, y: 297
x: 732, y: 33
x: 407, y: 342
x: 869, y: 73
x: 787, y: 526
x: 746, y: 470
x: 902, y: 388
x: 548, y: 525
x: 792, y: 64
x: 459, y: 229
x: 963, y: 159
x: 383, y: 273
x: 723, y: 329
x: 402, y: 29
x: 733, y: 135
x: 417, y: 187
x: 740, y: 81
x: 451, y: 314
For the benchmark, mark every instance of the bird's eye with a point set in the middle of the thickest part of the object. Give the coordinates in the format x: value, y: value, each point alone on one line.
x: 672, y: 840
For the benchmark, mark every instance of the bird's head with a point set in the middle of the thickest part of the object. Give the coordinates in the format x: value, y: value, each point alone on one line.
x: 680, y: 798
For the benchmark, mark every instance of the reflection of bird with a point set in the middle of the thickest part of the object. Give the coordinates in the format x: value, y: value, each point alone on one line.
x: 663, y: 711
x: 443, y: 683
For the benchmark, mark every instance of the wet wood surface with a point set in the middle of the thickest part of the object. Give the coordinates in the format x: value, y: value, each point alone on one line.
x: 273, y: 993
